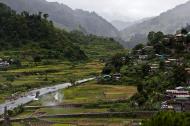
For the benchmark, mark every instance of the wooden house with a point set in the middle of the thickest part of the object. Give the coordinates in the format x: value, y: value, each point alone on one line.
x: 116, y: 76
x: 143, y: 57
x: 4, y: 64
x: 154, y: 68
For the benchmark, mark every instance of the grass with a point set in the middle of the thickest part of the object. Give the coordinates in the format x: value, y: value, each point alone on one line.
x: 90, y: 93
x: 53, y: 111
x: 95, y: 121
x: 59, y: 72
x: 62, y: 125
x: 17, y: 124
x: 101, y: 49
x: 88, y: 121
x: 26, y: 113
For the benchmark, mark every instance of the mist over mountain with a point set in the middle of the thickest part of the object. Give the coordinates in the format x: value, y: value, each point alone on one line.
x: 121, y: 25
x: 166, y: 22
x: 65, y: 17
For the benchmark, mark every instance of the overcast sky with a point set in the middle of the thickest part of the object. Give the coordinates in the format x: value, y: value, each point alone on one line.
x: 123, y: 9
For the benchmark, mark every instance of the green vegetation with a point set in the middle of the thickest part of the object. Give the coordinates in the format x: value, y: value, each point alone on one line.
x: 62, y: 125
x: 95, y: 121
x: 53, y: 111
x: 44, y: 75
x: 148, y: 67
x: 96, y: 47
x: 40, y: 54
x: 168, y: 119
x: 91, y: 93
x: 16, y: 111
x: 90, y: 97
x: 36, y: 34
x: 86, y: 121
x: 36, y: 37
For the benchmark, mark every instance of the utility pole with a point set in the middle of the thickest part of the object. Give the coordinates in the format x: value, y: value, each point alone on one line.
x: 6, y: 118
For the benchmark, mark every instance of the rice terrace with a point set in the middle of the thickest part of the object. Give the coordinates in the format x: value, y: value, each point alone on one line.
x: 94, y: 63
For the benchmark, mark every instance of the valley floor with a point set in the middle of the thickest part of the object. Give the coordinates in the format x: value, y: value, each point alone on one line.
x: 88, y: 98
x: 91, y: 97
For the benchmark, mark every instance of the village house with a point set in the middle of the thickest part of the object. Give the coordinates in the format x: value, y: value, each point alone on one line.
x: 107, y: 77
x: 180, y: 88
x: 123, y: 59
x: 172, y: 106
x: 160, y: 57
x: 148, y: 48
x: 177, y: 92
x: 180, y: 93
x: 180, y: 39
x: 183, y: 39
x: 168, y: 64
x: 138, y: 52
x: 143, y: 57
x: 177, y: 100
x: 168, y: 39
x: 144, y: 51
x: 178, y: 106
x: 4, y: 64
x: 154, y: 68
x: 173, y: 62
x: 116, y: 76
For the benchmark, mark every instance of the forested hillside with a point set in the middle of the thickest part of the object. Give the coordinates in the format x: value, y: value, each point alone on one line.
x: 35, y: 32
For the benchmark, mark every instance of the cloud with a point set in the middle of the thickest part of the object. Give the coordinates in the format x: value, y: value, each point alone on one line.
x: 123, y: 9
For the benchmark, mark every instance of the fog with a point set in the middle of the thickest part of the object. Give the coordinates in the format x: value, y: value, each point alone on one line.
x: 126, y: 10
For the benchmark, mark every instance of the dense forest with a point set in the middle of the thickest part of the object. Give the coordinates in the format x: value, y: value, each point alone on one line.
x: 168, y: 119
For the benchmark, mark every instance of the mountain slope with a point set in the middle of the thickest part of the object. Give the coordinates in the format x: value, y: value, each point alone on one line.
x: 35, y: 36
x: 166, y: 22
x: 63, y: 16
x: 34, y: 32
x: 96, y: 47
x: 121, y: 25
